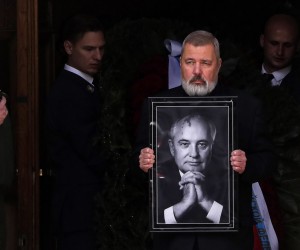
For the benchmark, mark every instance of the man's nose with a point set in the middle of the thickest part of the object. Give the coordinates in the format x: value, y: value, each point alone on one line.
x: 98, y: 54
x: 193, y: 151
x: 197, y: 70
x: 280, y: 50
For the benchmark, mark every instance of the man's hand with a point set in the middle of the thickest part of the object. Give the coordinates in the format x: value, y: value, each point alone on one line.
x: 146, y: 159
x: 195, y: 178
x: 238, y: 161
x: 3, y: 109
x: 198, y: 181
x: 189, y: 199
x: 189, y: 183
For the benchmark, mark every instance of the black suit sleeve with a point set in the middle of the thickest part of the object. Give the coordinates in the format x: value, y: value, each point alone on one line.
x: 254, y: 140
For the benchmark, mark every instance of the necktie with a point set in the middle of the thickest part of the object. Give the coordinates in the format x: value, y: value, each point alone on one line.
x: 91, y: 86
x: 268, y: 77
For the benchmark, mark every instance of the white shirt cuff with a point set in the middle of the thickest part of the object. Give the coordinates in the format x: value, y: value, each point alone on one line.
x: 215, y: 212
x: 169, y: 216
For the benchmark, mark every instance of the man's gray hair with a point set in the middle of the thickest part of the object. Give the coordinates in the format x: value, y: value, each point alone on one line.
x: 188, y: 119
x: 200, y: 38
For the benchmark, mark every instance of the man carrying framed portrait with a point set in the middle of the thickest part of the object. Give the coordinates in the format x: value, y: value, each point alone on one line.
x: 252, y: 158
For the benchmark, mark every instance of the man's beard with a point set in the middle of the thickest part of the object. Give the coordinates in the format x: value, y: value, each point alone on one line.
x: 193, y: 89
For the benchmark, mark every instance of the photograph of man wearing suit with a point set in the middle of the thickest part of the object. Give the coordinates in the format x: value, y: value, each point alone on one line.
x: 192, y: 186
x: 73, y: 110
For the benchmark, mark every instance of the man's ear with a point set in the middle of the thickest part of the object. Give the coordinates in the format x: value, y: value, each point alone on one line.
x: 220, y: 63
x: 171, y: 147
x: 261, y: 40
x: 68, y: 47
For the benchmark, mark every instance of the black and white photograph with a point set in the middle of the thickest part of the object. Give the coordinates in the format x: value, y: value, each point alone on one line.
x: 193, y: 185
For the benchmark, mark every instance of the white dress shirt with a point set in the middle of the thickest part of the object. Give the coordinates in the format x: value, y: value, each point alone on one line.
x: 278, y: 75
x: 85, y: 76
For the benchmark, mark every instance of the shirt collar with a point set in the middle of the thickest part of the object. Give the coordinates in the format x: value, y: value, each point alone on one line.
x: 279, y: 74
x: 85, y: 76
x: 181, y: 174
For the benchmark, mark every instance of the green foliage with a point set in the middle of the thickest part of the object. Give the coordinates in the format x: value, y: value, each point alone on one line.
x: 122, y: 214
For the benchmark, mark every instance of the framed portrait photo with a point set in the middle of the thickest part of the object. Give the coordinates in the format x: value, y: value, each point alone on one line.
x: 192, y: 184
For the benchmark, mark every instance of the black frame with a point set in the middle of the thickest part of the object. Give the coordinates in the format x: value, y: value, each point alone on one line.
x: 164, y: 111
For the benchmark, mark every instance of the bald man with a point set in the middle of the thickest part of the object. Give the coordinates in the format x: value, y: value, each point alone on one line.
x: 277, y: 55
x: 280, y: 42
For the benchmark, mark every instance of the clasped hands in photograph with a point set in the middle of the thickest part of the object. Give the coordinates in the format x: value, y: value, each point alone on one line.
x: 192, y: 184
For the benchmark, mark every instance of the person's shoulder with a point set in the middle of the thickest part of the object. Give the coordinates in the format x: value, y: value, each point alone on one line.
x: 242, y: 95
x: 226, y: 89
x: 67, y: 86
x: 174, y: 92
x: 69, y: 81
x: 295, y: 71
x: 62, y: 78
x: 68, y: 77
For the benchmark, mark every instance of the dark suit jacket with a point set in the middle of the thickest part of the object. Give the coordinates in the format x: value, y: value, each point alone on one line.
x: 261, y: 161
x: 292, y: 83
x: 282, y: 115
x: 71, y: 120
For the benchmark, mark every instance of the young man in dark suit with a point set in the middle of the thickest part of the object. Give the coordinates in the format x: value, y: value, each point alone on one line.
x: 73, y: 110
x: 254, y: 159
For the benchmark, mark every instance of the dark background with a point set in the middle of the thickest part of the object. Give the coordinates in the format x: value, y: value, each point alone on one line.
x: 239, y: 19
x: 213, y: 12
x: 133, y: 70
x: 239, y: 22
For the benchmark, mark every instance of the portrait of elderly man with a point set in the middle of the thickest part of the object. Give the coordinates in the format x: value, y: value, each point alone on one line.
x: 193, y: 184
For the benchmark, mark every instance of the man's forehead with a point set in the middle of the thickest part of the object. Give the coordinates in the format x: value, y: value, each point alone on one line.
x: 191, y: 122
x: 198, y: 52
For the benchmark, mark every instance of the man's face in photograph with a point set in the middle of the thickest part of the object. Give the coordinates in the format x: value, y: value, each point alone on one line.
x: 191, y: 145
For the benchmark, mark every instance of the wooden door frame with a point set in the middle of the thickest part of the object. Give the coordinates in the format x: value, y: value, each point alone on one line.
x: 27, y: 124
